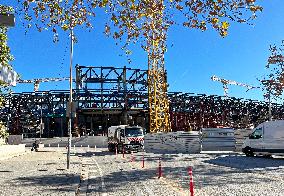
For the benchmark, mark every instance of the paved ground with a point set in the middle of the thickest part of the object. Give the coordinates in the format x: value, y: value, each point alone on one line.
x: 103, y: 173
x: 214, y: 174
x: 40, y: 173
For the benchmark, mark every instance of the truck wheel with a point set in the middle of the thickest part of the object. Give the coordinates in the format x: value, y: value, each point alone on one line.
x: 248, y: 151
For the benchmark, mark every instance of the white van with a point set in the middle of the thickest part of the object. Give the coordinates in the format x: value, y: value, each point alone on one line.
x: 267, y: 139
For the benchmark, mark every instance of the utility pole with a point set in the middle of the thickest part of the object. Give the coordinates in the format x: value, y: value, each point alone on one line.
x: 269, y: 109
x: 70, y: 101
x: 41, y: 124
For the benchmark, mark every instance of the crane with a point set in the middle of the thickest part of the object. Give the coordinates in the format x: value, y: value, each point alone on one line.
x: 157, y: 78
x: 37, y: 81
x: 226, y: 82
x: 249, y: 87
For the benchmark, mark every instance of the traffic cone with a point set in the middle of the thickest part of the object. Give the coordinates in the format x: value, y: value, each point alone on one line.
x: 160, y: 169
x: 191, y: 186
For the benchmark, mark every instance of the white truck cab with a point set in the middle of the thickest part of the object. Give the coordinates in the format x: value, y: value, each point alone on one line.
x: 126, y: 138
x: 267, y: 139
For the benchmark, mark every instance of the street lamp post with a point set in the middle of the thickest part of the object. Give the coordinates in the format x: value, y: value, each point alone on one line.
x: 41, y: 125
x: 70, y: 102
x: 269, y: 106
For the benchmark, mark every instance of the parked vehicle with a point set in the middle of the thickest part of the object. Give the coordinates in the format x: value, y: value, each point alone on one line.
x: 125, y: 138
x: 267, y: 139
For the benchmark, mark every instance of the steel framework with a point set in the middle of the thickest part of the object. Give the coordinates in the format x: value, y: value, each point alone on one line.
x: 124, y: 94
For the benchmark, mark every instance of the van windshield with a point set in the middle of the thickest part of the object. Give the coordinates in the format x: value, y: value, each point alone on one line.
x: 132, y: 132
x: 257, y: 133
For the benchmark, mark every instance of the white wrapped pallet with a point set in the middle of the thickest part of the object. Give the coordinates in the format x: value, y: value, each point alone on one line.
x: 217, y: 139
x: 173, y: 142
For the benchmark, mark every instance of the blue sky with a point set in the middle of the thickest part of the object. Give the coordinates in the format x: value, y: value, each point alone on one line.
x: 193, y: 59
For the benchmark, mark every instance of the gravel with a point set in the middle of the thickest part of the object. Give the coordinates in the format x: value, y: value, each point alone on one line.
x: 214, y: 174
x: 44, y: 173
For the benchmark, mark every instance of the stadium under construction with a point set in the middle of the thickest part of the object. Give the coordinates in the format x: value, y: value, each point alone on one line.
x: 106, y: 96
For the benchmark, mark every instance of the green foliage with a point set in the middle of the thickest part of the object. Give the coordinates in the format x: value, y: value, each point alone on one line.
x: 129, y: 19
x: 5, y: 54
x: 55, y: 15
x: 3, y: 133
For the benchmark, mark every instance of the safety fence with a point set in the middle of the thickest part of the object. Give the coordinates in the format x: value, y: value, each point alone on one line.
x: 207, y: 139
x: 174, y: 142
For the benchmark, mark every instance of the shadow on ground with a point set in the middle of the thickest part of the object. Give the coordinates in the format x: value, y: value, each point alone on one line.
x: 247, y: 163
x: 63, y: 182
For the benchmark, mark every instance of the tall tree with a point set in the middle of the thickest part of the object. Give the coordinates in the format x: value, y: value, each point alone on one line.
x: 128, y: 18
x: 5, y: 54
x: 146, y: 22
x: 274, y: 82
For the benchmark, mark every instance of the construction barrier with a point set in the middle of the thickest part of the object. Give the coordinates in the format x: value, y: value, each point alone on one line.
x: 173, y: 142
x: 217, y: 139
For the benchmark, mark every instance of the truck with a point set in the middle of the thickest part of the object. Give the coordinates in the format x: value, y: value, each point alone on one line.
x: 125, y: 138
x: 266, y: 139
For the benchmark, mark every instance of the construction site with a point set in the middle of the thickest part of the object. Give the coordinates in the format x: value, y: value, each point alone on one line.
x: 107, y: 96
x: 151, y: 123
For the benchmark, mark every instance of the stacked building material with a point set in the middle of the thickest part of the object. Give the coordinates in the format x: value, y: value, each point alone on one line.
x: 217, y: 139
x: 174, y: 142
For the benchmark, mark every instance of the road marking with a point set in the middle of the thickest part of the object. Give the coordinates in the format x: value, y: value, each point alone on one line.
x: 101, y: 176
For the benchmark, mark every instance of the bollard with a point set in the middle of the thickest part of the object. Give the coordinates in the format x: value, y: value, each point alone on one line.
x: 132, y: 157
x: 123, y: 151
x: 81, y: 145
x: 57, y: 145
x: 88, y: 147
x: 160, y: 169
x: 191, y: 188
x: 48, y: 145
x: 143, y: 162
x: 95, y: 148
x: 115, y: 150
